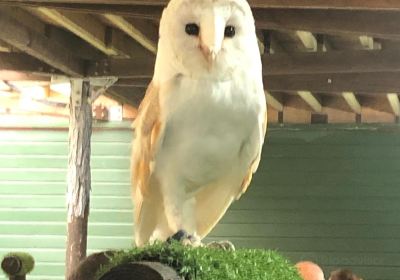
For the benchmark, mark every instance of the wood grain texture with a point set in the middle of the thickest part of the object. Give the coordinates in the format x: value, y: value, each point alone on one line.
x: 141, y: 270
x: 325, y: 4
x: 79, y: 174
x: 38, y: 46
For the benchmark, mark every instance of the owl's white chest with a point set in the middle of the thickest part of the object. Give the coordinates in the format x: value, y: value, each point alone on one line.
x: 211, y: 130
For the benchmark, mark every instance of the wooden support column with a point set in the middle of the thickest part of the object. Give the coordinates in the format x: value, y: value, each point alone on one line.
x: 79, y: 180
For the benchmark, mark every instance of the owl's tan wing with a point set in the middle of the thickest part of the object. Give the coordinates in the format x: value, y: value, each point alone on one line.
x: 255, y: 163
x: 148, y: 130
x: 213, y: 200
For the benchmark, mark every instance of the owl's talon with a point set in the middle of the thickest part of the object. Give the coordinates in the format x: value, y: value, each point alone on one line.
x: 179, y: 236
x: 183, y: 237
x: 223, y: 245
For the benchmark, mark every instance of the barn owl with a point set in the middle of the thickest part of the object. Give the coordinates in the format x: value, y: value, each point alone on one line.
x: 201, y: 125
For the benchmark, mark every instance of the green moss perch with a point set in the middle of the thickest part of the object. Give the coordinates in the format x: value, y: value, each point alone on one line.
x: 175, y: 261
x: 16, y: 265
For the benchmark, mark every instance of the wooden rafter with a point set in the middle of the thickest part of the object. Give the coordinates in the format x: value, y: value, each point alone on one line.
x: 331, y: 18
x: 39, y: 46
x: 106, y: 39
x: 337, y: 42
x: 290, y: 41
x: 374, y: 82
x: 273, y: 101
x: 135, y: 82
x: 311, y: 100
x: 4, y: 47
x: 394, y: 101
x: 308, y: 40
x: 126, y: 46
x: 352, y: 101
x: 24, y: 63
x: 122, y: 68
x: 7, y: 75
x: 331, y: 62
x: 319, y: 4
x: 137, y: 11
x: 277, y: 64
x: 32, y: 19
x: 84, y: 26
x: 336, y: 22
x: 130, y: 70
x: 132, y: 31
x: 131, y: 96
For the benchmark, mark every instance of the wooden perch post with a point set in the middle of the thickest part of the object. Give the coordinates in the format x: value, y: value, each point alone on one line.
x: 141, y: 270
x: 17, y: 265
x: 89, y: 268
x: 79, y: 181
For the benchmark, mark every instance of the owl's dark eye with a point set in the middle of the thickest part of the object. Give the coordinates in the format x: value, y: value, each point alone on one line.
x: 230, y: 31
x: 192, y: 29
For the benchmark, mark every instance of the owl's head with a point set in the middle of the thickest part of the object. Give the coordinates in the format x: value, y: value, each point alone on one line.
x: 202, y: 38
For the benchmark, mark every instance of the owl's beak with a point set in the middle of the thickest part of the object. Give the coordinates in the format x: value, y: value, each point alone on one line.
x: 210, y: 54
x: 211, y: 37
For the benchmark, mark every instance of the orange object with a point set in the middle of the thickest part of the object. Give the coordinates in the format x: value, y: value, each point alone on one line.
x: 310, y: 271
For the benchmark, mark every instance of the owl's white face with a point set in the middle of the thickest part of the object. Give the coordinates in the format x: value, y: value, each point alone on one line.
x: 209, y: 38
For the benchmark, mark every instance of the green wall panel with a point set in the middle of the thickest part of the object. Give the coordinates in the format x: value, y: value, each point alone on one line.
x: 327, y: 194
x: 32, y: 195
x: 330, y: 194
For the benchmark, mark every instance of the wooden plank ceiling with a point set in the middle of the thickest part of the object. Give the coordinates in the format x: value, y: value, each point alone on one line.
x: 323, y: 61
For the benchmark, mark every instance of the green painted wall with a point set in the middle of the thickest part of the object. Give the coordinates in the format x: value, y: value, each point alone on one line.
x: 32, y: 195
x: 328, y: 194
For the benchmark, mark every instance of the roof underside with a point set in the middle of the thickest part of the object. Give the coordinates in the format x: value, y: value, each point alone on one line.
x: 318, y: 56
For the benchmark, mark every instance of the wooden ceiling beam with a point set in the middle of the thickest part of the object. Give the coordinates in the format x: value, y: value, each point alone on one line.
x: 132, y: 31
x: 308, y: 40
x: 352, y: 101
x: 21, y: 62
x: 327, y: 4
x: 331, y: 62
x: 32, y: 20
x: 108, y: 40
x: 277, y: 64
x: 345, y: 42
x: 295, y: 4
x: 292, y: 41
x: 133, y: 82
x: 362, y: 83
x: 311, y: 100
x: 335, y: 22
x: 394, y: 101
x: 367, y: 42
x: 273, y: 101
x: 330, y: 18
x: 86, y: 27
x: 131, y: 96
x: 39, y: 46
x: 4, y: 47
x: 136, y: 11
x: 140, y: 67
x: 8, y: 75
x: 125, y: 46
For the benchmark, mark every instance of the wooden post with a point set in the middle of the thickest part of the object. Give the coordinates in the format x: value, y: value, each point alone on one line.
x: 17, y: 265
x: 79, y: 181
x: 143, y: 271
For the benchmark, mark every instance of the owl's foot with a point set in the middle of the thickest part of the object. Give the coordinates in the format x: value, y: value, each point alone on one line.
x: 223, y: 245
x: 183, y: 237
